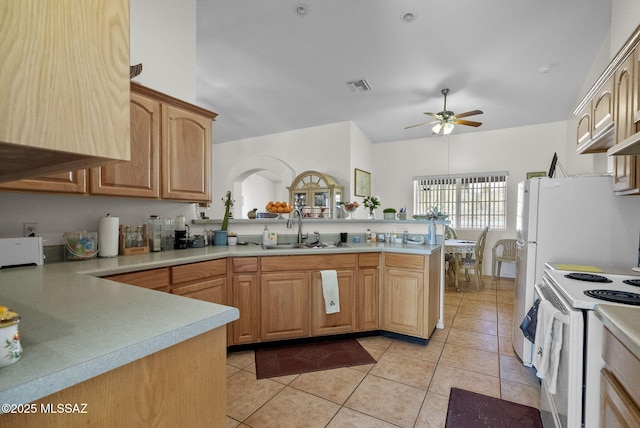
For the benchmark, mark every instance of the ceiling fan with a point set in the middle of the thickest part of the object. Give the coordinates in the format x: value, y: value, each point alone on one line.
x: 446, y: 119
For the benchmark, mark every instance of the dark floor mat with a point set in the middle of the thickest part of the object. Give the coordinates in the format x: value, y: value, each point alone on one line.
x: 294, y: 359
x: 469, y: 409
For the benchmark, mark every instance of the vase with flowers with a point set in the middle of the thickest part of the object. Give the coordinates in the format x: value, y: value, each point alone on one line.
x: 371, y: 203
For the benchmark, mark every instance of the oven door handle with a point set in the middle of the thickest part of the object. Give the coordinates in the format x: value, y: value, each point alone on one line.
x: 546, y: 293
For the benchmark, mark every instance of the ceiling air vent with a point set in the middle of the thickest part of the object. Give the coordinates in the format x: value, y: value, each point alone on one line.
x: 360, y: 85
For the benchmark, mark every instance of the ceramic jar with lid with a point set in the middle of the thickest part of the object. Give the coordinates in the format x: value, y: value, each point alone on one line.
x: 10, y: 348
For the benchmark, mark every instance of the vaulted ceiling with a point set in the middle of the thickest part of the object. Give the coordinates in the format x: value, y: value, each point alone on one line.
x: 266, y: 69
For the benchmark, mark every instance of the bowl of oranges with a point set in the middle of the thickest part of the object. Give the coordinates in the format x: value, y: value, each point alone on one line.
x: 278, y: 208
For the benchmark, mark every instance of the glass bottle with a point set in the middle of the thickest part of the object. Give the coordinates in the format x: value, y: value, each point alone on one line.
x: 128, y: 237
x: 139, y: 241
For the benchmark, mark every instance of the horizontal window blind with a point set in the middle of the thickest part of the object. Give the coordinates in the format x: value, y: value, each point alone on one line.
x: 473, y: 201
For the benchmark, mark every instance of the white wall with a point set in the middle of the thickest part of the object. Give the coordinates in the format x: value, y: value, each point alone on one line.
x: 285, y: 155
x: 163, y: 39
x: 625, y: 16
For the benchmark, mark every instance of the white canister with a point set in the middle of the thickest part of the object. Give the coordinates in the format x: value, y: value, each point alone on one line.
x: 9, y: 337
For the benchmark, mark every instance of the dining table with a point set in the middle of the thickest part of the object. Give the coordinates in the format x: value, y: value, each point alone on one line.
x: 457, y: 248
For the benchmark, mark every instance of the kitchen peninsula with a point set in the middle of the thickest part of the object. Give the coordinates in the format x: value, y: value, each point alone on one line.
x: 79, y: 329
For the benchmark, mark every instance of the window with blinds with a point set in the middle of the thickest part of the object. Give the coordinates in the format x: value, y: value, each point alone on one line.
x: 473, y: 201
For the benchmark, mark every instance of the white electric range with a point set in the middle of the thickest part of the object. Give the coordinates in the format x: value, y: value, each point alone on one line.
x: 576, y: 402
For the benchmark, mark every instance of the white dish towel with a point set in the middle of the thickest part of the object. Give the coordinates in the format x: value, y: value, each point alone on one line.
x: 548, y: 343
x: 330, y: 291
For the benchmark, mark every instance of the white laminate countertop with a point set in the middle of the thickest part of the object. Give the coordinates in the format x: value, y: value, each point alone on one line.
x: 623, y: 322
x: 75, y: 325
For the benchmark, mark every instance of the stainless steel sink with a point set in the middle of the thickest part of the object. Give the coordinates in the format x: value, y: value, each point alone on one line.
x: 293, y: 245
x: 286, y: 246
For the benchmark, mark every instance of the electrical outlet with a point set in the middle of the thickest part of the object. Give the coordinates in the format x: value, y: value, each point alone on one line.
x: 30, y: 229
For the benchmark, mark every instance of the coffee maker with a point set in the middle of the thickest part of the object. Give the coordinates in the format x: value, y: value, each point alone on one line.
x: 182, y: 233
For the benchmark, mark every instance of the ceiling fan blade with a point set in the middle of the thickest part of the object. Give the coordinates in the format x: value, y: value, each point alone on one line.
x: 434, y: 115
x: 469, y: 113
x: 420, y: 124
x: 468, y: 123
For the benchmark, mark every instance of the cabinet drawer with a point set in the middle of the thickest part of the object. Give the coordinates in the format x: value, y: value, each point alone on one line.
x: 623, y: 364
x: 319, y: 262
x: 186, y: 289
x: 157, y: 279
x: 195, y: 271
x: 405, y: 261
x: 213, y: 290
x: 369, y: 260
x: 244, y: 264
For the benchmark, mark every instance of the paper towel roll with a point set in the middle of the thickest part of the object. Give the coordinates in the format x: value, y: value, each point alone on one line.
x: 108, y: 236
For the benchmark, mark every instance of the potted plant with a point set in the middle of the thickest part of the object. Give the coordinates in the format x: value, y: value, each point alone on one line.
x: 220, y: 236
x: 389, y: 213
x: 372, y: 202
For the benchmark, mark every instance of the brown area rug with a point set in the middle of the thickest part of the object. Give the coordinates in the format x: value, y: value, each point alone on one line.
x: 295, y: 359
x: 469, y: 409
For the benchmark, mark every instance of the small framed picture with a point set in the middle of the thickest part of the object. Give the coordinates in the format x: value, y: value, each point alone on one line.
x: 362, y: 183
x: 536, y: 174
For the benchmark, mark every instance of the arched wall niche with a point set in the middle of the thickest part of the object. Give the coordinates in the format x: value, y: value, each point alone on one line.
x: 258, y: 180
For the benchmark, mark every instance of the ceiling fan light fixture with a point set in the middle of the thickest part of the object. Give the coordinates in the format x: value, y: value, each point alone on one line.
x: 436, y: 129
x: 448, y: 127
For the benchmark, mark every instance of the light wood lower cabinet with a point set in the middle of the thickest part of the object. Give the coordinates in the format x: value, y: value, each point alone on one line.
x: 155, y: 279
x: 245, y: 295
x: 619, y: 385
x: 341, y: 322
x: 181, y: 386
x: 204, y: 281
x: 368, y: 291
x: 410, y: 293
x: 284, y: 305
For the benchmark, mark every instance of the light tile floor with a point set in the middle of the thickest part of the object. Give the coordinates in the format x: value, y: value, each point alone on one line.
x: 408, y: 386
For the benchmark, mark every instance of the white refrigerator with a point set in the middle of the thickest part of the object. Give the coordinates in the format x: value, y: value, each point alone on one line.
x: 574, y: 220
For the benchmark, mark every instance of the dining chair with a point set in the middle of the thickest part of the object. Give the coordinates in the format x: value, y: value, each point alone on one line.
x: 475, y: 263
x: 504, y: 250
x: 449, y: 233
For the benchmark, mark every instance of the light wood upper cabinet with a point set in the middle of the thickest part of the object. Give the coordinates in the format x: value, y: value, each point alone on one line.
x: 186, y: 155
x: 65, y: 86
x: 63, y: 182
x: 636, y: 90
x: 140, y: 177
x: 595, y: 129
x: 625, y: 167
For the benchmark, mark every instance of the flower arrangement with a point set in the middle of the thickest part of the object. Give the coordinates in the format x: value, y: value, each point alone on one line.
x: 372, y: 202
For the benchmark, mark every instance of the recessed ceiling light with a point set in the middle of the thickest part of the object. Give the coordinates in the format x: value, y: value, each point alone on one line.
x: 408, y: 16
x: 301, y: 9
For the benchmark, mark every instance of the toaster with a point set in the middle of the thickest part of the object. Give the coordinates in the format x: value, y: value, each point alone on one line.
x: 21, y: 251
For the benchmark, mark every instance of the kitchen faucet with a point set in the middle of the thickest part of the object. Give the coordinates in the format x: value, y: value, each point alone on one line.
x: 289, y: 224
